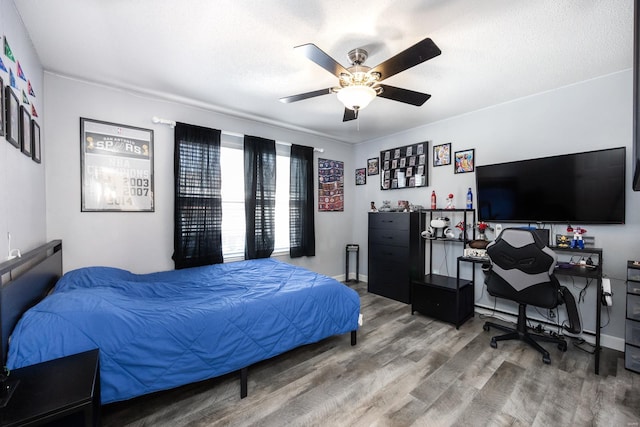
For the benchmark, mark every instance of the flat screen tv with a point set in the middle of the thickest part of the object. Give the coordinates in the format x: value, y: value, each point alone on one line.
x: 580, y: 188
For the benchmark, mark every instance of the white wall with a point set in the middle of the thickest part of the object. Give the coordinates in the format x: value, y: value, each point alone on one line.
x: 22, y: 181
x: 591, y: 115
x: 143, y: 242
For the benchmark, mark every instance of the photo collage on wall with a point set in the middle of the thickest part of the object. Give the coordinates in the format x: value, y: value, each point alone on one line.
x: 404, y: 167
x: 330, y: 185
x: 17, y: 105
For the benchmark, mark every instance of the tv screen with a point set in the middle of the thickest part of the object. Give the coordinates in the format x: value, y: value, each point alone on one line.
x: 580, y: 188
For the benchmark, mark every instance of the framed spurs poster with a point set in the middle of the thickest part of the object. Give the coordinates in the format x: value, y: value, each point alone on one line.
x: 116, y: 163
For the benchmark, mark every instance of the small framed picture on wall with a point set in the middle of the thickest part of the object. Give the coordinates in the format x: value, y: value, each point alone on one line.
x: 12, y: 117
x: 35, y: 136
x: 373, y: 166
x: 465, y: 161
x: 25, y: 131
x: 442, y: 154
x: 361, y: 176
x: 1, y: 107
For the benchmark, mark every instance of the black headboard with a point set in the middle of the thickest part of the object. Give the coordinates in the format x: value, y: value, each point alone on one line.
x: 25, y: 282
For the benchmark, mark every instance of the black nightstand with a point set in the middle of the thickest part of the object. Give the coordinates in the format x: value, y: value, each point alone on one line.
x: 65, y: 390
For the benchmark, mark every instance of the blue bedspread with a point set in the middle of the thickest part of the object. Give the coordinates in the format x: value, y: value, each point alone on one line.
x: 161, y: 330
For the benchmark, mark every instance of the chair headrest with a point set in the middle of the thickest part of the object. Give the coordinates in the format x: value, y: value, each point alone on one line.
x: 521, y: 249
x: 519, y: 237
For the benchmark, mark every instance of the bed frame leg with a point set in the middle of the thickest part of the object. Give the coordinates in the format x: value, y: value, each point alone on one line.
x: 353, y: 337
x: 243, y: 382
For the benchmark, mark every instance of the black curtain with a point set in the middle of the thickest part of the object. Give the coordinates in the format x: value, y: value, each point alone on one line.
x: 198, y: 201
x: 259, y: 196
x: 302, y: 236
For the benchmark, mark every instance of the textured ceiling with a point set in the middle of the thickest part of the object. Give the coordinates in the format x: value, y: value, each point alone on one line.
x: 237, y: 56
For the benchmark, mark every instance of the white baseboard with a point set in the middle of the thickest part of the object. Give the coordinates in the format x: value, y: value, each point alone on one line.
x: 352, y: 276
x: 612, y: 342
x: 608, y: 341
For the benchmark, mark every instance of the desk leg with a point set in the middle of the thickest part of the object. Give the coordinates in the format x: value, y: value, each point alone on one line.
x: 458, y: 295
x: 598, y: 314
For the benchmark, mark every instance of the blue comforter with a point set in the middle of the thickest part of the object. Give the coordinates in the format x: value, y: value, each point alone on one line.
x: 161, y: 330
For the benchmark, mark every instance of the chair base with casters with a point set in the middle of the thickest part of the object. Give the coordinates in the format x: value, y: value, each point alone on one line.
x: 522, y: 333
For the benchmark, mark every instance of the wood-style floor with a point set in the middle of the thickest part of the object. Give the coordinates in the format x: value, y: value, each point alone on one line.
x: 405, y: 370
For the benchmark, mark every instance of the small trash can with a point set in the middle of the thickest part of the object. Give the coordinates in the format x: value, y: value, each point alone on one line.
x: 352, y: 247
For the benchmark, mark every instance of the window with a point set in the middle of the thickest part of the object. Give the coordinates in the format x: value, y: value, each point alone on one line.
x: 198, y: 210
x: 232, y: 179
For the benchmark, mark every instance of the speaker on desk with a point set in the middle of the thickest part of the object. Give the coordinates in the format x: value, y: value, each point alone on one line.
x: 543, y: 234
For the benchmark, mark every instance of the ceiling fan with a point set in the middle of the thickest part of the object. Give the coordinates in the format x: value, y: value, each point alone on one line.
x: 359, y: 84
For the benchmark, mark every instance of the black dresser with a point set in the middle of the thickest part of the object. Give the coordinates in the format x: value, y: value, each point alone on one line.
x: 394, y: 255
x: 632, y: 325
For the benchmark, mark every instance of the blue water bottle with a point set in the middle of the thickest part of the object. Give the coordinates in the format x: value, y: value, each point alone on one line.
x: 469, y: 199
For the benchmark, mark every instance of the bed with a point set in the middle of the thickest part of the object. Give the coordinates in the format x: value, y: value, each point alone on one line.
x: 162, y: 330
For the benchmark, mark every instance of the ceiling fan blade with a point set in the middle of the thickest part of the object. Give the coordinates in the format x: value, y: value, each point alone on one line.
x: 349, y: 115
x: 416, y: 54
x: 301, y: 96
x: 315, y: 54
x: 403, y: 95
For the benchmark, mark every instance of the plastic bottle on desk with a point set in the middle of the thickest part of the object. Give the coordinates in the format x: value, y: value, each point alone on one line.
x: 469, y: 199
x: 433, y: 199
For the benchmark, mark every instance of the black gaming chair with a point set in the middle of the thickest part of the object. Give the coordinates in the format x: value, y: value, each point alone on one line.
x: 522, y: 271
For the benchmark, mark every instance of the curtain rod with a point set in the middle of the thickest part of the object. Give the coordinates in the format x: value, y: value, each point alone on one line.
x: 172, y: 124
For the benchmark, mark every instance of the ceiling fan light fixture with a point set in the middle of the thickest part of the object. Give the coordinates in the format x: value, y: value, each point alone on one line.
x: 356, y: 97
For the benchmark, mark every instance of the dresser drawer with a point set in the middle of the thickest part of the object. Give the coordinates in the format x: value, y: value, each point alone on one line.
x: 632, y: 332
x: 382, y: 236
x: 632, y: 358
x: 633, y: 307
x: 397, y: 255
x: 390, y: 282
x: 390, y: 221
x: 633, y: 287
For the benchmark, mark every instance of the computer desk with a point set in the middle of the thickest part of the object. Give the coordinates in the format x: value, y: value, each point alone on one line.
x: 574, y: 271
x: 595, y: 272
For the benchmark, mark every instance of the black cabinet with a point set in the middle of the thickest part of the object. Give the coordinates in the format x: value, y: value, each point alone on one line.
x: 442, y: 298
x: 450, y: 299
x: 394, y: 254
x: 63, y: 391
x: 632, y: 323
